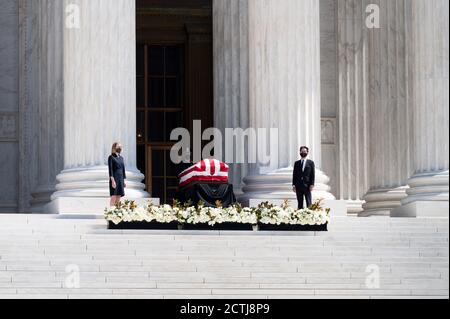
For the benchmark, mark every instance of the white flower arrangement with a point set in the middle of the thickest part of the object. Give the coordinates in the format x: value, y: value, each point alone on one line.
x: 270, y: 214
x: 265, y: 213
x: 219, y: 215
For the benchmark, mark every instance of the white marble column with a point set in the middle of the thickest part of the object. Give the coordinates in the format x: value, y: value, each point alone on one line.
x: 27, y: 57
x: 231, y: 65
x: 40, y: 112
x: 284, y: 55
x: 353, y: 93
x: 13, y: 194
x: 99, y: 103
x: 47, y: 143
x: 428, y: 194
x: 390, y: 111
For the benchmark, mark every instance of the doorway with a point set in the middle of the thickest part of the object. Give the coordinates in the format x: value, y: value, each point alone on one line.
x: 174, y: 83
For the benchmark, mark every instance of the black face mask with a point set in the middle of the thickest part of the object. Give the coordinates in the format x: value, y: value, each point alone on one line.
x: 304, y: 154
x: 119, y: 150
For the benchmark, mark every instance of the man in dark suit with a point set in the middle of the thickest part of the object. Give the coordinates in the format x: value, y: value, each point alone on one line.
x: 304, y: 178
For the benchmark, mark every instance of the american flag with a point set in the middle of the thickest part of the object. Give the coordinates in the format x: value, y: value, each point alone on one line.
x: 208, y: 170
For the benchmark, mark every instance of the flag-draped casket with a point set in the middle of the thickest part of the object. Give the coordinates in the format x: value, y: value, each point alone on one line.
x: 207, y: 171
x: 206, y: 181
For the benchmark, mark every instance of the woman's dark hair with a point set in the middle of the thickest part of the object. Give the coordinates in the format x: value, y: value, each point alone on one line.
x: 304, y: 148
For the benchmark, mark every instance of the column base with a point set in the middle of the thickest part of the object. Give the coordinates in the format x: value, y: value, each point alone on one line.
x: 88, y: 206
x: 278, y: 185
x: 354, y: 207
x: 428, y: 196
x: 425, y: 209
x: 85, y: 191
x: 433, y: 186
x: 380, y: 202
x: 41, y: 198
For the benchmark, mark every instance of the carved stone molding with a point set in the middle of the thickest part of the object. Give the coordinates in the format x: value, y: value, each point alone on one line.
x: 9, y: 126
x: 328, y: 129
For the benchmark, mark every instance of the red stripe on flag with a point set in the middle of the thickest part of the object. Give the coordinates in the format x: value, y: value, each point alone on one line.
x: 222, y: 179
x: 223, y: 167
x: 212, y: 164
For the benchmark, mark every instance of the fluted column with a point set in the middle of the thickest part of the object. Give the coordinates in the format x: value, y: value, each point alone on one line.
x: 389, y: 108
x: 231, y: 66
x: 354, y: 112
x: 428, y: 194
x: 48, y: 120
x: 28, y: 104
x: 99, y: 99
x: 284, y: 55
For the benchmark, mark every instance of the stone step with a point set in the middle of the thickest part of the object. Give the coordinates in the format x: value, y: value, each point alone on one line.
x: 411, y: 256
x: 222, y: 291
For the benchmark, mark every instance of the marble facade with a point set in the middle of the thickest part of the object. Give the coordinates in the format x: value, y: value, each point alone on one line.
x: 9, y: 106
x: 375, y: 100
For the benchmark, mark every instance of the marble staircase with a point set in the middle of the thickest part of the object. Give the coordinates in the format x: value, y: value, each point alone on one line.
x: 44, y: 256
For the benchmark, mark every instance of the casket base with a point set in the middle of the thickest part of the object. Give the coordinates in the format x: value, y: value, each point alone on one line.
x: 208, y: 193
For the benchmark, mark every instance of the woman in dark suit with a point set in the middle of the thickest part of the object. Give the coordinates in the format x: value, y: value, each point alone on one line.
x: 117, y: 176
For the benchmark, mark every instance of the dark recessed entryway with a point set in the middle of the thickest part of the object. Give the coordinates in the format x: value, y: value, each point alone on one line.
x: 174, y: 82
